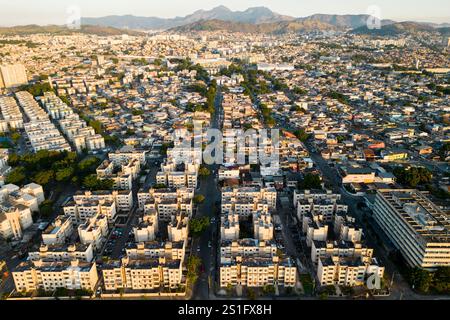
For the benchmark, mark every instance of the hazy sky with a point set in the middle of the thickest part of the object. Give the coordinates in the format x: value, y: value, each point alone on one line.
x: 20, y: 12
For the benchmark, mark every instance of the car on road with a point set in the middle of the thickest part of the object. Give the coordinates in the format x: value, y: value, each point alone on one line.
x: 209, y: 244
x: 198, y: 249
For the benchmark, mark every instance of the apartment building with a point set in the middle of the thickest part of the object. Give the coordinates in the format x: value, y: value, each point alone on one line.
x: 63, y: 252
x: 10, y: 115
x: 49, y: 276
x: 143, y: 274
x: 246, y: 200
x: 262, y: 226
x: 122, y: 175
x: 178, y: 228
x: 76, y: 129
x: 127, y: 153
x: 254, y: 263
x: 123, y: 199
x: 58, y: 231
x: 16, y: 208
x: 41, y: 132
x: 5, y: 169
x: 346, y: 271
x: 325, y: 203
x: 13, y: 75
x: 416, y: 227
x: 81, y: 209
x: 147, y: 266
x: 147, y: 228
x: 14, y: 219
x: 167, y: 202
x: 229, y: 226
x: 94, y: 231
x: 177, y: 175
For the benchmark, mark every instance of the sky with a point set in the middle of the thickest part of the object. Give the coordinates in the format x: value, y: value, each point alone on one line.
x: 22, y: 12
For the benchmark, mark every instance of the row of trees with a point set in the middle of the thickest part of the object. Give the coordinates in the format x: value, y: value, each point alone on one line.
x: 412, y: 176
x: 49, y: 168
x: 437, y: 282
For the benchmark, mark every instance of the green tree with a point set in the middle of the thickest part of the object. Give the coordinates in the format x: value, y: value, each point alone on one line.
x: 44, y: 177
x: 193, y: 265
x: 16, y: 176
x: 204, y: 172
x: 64, y: 174
x: 302, y: 135
x: 199, y: 199
x: 15, y: 136
x: 198, y: 225
x: 310, y: 181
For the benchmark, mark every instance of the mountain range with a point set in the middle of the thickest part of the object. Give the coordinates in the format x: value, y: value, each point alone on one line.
x: 252, y: 20
x: 254, y: 15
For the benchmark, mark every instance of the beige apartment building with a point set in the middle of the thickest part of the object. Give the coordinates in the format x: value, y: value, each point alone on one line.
x: 34, y: 275
x: 254, y: 263
x: 13, y: 75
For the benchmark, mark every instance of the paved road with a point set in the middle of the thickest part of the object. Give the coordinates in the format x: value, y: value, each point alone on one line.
x: 209, y: 189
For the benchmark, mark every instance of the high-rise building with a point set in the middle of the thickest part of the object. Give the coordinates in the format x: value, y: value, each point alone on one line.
x: 12, y: 75
x: 416, y: 227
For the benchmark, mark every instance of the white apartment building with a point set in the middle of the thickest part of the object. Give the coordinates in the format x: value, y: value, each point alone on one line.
x: 147, y: 227
x: 325, y: 203
x: 127, y: 153
x: 63, y: 253
x: 147, y: 266
x: 16, y: 208
x: 262, y: 226
x: 178, y: 228
x: 143, y: 274
x: 58, y: 231
x: 121, y: 175
x: 346, y: 271
x: 229, y: 226
x: 123, y: 199
x: 76, y: 129
x: 167, y: 202
x: 314, y: 228
x: 14, y: 219
x: 416, y: 227
x: 247, y: 200
x: 80, y: 210
x: 94, y: 231
x: 34, y: 275
x: 179, y: 175
x: 10, y: 116
x: 41, y: 132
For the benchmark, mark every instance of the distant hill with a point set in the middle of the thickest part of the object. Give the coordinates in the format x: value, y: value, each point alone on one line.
x: 257, y: 15
x: 63, y: 30
x: 395, y: 29
x: 252, y: 15
x: 267, y: 28
x: 343, y: 21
